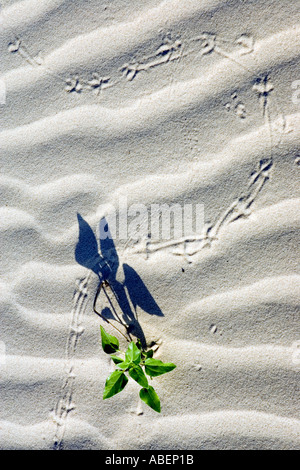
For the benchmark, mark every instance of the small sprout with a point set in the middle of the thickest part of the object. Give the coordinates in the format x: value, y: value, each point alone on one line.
x: 133, y: 354
x: 137, y: 364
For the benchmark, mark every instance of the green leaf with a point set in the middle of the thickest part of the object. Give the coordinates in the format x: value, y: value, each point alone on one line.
x: 133, y: 354
x: 139, y: 344
x: 150, y: 397
x: 146, y: 354
x: 110, y: 344
x: 154, y: 367
x: 116, y: 359
x: 137, y: 374
x: 124, y: 365
x: 114, y: 384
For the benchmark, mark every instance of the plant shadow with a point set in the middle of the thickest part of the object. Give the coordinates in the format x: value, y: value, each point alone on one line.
x: 105, y: 265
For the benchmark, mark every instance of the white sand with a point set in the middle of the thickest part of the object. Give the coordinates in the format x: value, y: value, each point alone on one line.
x: 184, y: 127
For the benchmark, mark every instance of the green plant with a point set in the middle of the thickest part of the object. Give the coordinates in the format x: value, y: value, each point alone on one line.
x: 137, y: 362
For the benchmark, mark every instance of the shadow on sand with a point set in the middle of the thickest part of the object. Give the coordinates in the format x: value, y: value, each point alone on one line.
x: 106, y: 264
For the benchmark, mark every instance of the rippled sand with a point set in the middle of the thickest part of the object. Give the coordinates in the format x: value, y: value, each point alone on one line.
x: 191, y: 102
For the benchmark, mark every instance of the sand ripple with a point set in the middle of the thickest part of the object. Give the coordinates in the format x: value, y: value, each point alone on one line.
x: 157, y: 102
